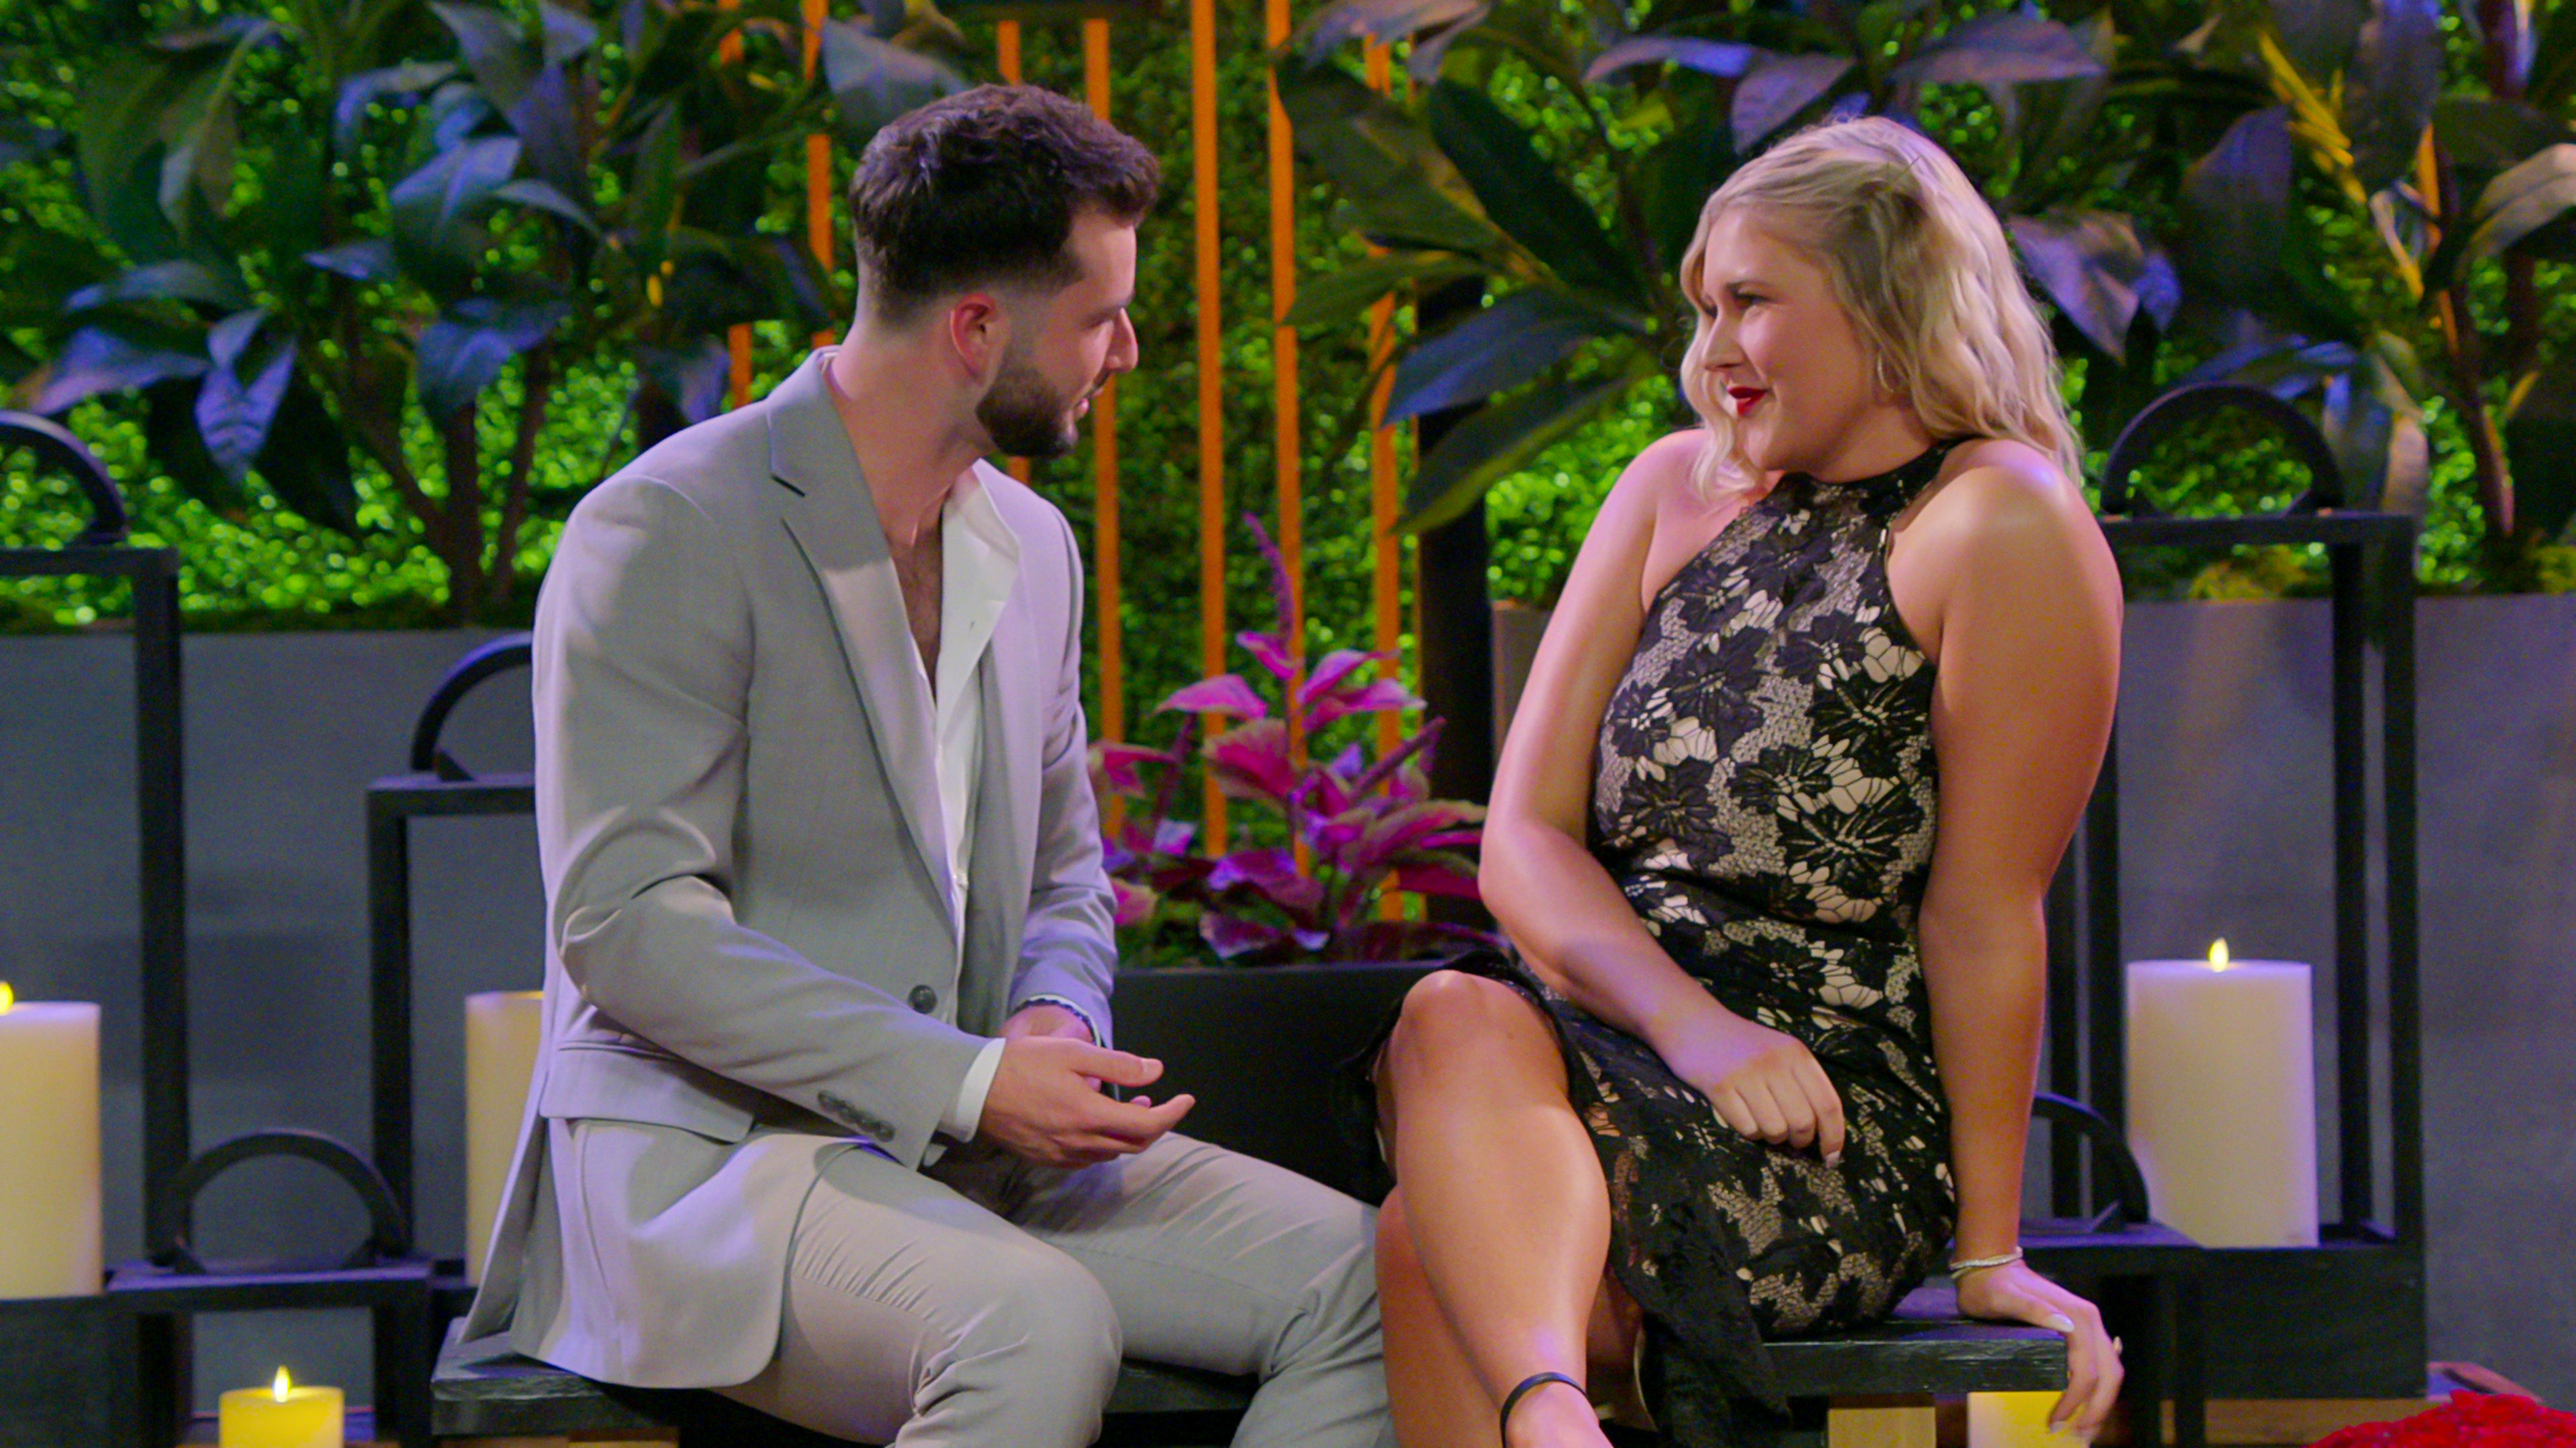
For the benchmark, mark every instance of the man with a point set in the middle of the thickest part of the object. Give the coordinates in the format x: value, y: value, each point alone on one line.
x: 818, y: 1122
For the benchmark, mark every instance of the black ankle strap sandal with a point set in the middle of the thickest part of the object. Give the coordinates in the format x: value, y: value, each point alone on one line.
x: 1523, y: 1389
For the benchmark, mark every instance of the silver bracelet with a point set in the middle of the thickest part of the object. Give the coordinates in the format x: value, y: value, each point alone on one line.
x: 1979, y: 1263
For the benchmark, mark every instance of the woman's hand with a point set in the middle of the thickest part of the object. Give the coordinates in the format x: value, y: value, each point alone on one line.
x: 1764, y: 1083
x: 2015, y: 1293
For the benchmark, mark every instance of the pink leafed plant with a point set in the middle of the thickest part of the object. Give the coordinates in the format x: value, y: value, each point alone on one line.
x: 1340, y: 828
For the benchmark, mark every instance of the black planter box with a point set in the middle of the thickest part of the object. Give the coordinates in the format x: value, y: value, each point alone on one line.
x: 1262, y: 1047
x: 67, y: 1373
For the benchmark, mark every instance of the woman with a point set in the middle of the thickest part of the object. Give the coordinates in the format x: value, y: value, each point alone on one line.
x: 1765, y: 1016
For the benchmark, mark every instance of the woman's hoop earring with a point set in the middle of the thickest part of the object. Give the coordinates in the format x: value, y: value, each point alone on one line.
x: 1878, y: 370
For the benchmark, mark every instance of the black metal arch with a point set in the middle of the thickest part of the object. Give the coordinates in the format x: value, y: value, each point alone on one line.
x: 510, y: 651
x: 2185, y: 405
x: 389, y: 1234
x: 2115, y: 1171
x: 56, y: 448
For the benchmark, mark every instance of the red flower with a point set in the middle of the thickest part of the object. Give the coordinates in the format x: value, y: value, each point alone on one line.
x: 2470, y: 1420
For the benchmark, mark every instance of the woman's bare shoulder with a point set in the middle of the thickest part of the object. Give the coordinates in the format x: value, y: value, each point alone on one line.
x: 1997, y: 492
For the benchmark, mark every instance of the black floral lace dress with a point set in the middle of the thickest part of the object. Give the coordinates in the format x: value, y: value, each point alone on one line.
x: 1764, y: 795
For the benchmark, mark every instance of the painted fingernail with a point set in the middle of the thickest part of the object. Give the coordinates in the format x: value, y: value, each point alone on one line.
x: 1833, y: 1159
x: 2061, y: 1322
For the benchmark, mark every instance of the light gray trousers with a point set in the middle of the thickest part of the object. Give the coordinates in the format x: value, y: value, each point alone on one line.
x: 986, y: 1302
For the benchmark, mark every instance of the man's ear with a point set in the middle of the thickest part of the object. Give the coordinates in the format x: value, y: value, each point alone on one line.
x: 978, y: 332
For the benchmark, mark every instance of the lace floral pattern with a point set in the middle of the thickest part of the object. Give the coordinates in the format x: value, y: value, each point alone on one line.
x: 1764, y: 795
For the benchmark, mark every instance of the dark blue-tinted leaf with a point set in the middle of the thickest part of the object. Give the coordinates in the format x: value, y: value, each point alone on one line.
x: 163, y: 281
x: 529, y: 191
x: 371, y: 260
x: 94, y: 360
x: 568, y: 35
x: 22, y: 139
x: 2159, y: 289
x: 456, y: 111
x: 1493, y: 440
x: 366, y: 88
x: 239, y: 399
x: 464, y: 351
x: 550, y: 132
x: 495, y: 49
x: 1709, y: 57
x: 1333, y: 297
x: 2483, y: 137
x: 872, y: 81
x: 1383, y: 21
x: 2396, y: 76
x: 2005, y: 49
x: 1525, y: 196
x: 2525, y: 199
x: 306, y: 461
x: 2318, y: 35
x: 1501, y: 346
x: 435, y: 207
x: 176, y: 447
x: 1776, y: 89
x: 1674, y: 182
x: 2236, y: 201
x: 2091, y: 265
x: 693, y: 376
x: 2541, y: 443
x: 1400, y: 188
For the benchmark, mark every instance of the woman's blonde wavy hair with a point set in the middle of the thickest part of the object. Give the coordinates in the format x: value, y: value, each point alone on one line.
x: 1919, y: 263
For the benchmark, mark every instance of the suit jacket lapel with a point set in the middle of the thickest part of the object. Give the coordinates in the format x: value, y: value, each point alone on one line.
x: 1006, y: 814
x: 834, y: 522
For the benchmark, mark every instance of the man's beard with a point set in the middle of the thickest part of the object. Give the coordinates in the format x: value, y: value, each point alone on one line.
x: 1023, y: 416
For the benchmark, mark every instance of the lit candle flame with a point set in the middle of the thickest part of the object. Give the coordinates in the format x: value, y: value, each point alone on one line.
x: 282, y: 1386
x: 8, y: 997
x: 2218, y: 955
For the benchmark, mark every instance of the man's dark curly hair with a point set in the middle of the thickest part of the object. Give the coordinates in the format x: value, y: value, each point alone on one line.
x: 981, y: 188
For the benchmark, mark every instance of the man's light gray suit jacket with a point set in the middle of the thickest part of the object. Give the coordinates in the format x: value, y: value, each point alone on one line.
x: 747, y: 909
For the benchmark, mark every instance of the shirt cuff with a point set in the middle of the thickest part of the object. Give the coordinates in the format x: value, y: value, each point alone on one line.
x: 967, y: 1113
x: 1080, y: 1014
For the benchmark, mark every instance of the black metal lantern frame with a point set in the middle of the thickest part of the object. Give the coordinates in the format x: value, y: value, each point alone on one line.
x: 2346, y: 1318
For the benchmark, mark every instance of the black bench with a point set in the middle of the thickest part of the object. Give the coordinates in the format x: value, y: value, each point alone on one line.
x: 483, y: 1390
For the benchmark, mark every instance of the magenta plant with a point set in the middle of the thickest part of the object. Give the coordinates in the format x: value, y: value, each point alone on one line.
x: 1353, y: 827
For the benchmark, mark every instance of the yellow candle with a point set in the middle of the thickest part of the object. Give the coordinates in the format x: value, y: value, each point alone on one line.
x: 50, y: 1244
x: 502, y: 1029
x: 281, y: 1415
x: 2222, y: 1098
x: 2014, y: 1420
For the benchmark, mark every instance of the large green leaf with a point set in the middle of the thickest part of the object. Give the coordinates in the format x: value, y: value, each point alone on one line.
x: 1331, y: 298
x: 1499, y: 347
x: 2319, y: 35
x: 177, y: 97
x: 103, y: 359
x: 165, y: 281
x: 239, y: 399
x: 1674, y: 182
x: 177, y: 448
x: 1524, y: 195
x: 2010, y: 48
x: 1499, y: 437
x: 2236, y: 203
x: 1726, y: 59
x: 1401, y: 190
x: 306, y: 460
x: 873, y: 81
x: 1382, y: 21
x: 2525, y: 199
x: 551, y: 128
x: 349, y: 111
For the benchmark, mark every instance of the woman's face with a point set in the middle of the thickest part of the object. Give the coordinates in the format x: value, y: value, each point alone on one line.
x: 1784, y: 358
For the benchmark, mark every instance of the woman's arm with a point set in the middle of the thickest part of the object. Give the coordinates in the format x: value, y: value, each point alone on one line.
x: 1538, y: 876
x: 2028, y: 628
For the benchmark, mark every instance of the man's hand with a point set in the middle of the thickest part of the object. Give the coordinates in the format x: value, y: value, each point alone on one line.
x: 1046, y: 1105
x: 1043, y: 1019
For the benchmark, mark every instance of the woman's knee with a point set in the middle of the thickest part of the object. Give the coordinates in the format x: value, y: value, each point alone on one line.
x: 1450, y: 1016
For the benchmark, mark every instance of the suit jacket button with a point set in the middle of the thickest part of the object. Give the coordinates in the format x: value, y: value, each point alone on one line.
x: 924, y: 999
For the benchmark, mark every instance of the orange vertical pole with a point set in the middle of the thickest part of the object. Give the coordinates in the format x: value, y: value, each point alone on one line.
x: 1283, y: 352
x: 1386, y: 550
x: 738, y: 336
x: 1104, y: 461
x: 818, y: 162
x: 1203, y: 200
x: 1006, y: 56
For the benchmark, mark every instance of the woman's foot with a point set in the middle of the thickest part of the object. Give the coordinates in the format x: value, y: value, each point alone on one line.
x: 1554, y: 1415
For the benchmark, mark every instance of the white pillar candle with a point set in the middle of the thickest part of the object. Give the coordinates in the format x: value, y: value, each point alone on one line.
x: 502, y: 1029
x: 50, y: 1244
x: 2222, y: 1098
x: 281, y: 1415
